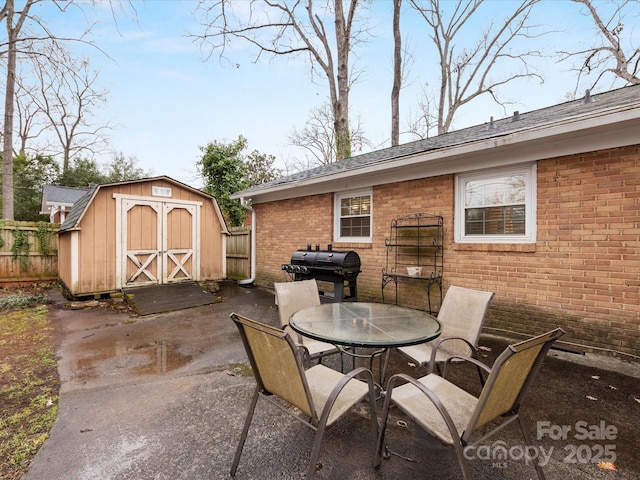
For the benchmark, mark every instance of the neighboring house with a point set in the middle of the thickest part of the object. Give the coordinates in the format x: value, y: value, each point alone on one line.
x: 58, y: 201
x: 543, y: 208
x: 142, y: 232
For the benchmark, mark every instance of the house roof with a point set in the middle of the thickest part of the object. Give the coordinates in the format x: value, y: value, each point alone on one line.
x: 80, y: 206
x: 68, y: 195
x: 55, y: 195
x: 592, y: 123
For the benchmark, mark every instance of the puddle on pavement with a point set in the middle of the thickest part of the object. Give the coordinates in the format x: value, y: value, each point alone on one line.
x: 104, y: 358
x: 232, y: 289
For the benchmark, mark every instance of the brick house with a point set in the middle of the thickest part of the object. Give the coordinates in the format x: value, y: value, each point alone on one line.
x: 543, y: 208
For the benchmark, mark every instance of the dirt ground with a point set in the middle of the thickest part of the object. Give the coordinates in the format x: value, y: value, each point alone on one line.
x: 29, y: 382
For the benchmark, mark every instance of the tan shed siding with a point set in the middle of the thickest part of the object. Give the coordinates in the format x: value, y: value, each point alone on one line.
x: 210, y: 243
x: 98, y: 240
x: 582, y: 274
x: 206, y: 241
x: 64, y: 257
x: 97, y: 245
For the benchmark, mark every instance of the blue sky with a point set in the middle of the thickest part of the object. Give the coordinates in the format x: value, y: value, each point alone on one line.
x: 166, y: 101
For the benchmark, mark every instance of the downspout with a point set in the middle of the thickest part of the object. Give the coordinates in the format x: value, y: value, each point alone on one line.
x: 251, y: 279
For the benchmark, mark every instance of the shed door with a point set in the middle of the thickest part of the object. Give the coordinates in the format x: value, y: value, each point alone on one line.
x: 159, y: 242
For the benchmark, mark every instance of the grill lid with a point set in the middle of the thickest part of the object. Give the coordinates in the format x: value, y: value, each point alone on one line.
x: 326, y: 259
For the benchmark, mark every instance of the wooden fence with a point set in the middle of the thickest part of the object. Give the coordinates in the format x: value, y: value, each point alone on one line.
x: 28, y: 251
x: 239, y: 253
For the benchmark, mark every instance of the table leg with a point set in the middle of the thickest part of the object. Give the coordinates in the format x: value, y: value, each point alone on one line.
x: 371, y: 356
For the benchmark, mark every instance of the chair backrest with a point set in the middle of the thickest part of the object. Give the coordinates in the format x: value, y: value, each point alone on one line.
x: 510, y: 377
x: 276, y: 362
x: 462, y: 314
x: 294, y: 296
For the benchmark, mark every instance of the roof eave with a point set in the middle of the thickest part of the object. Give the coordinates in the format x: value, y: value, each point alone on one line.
x: 577, y: 135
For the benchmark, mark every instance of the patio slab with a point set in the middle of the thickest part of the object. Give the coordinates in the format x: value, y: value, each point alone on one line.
x: 164, y: 397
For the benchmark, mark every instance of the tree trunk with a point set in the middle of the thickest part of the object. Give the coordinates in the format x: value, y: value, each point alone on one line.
x: 13, y: 30
x: 7, y: 151
x: 341, y: 105
x: 397, y: 75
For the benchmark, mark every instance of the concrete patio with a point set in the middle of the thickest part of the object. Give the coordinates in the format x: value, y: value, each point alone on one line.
x: 164, y: 397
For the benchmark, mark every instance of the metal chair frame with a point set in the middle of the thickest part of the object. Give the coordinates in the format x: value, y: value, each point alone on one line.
x: 322, y: 395
x: 499, y: 400
x: 294, y: 296
x: 461, y: 315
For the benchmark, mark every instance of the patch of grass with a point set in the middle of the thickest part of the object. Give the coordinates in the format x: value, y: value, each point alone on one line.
x: 12, y: 302
x: 241, y: 369
x: 29, y: 383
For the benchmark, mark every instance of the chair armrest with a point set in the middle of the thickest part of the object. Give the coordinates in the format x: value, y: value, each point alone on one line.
x: 346, y: 378
x: 475, y: 361
x: 426, y: 391
x: 293, y: 333
x: 304, y: 354
x: 439, y: 341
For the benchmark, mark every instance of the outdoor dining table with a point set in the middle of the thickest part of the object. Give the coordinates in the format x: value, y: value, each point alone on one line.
x: 376, y: 326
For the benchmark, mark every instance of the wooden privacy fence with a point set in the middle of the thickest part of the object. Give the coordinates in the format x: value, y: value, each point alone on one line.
x: 239, y: 253
x: 28, y: 251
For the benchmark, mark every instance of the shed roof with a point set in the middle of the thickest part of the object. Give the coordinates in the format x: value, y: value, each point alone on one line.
x: 78, y: 209
x: 617, y: 112
x: 81, y: 205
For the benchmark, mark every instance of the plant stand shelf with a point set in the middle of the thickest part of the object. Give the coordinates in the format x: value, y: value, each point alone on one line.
x: 416, y: 242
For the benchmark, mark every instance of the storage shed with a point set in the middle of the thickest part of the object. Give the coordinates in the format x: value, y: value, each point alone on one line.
x: 142, y: 232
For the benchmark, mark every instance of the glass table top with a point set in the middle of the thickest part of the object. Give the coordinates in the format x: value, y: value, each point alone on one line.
x: 360, y: 324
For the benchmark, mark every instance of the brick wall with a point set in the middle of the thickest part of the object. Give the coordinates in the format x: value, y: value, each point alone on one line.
x: 582, y: 274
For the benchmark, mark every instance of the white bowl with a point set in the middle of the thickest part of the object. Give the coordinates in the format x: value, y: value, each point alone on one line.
x: 414, y: 271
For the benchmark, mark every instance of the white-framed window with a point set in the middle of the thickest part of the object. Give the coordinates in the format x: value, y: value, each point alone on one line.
x: 352, y: 216
x: 496, y: 206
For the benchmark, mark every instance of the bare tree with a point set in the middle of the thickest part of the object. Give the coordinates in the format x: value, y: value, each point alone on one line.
x: 14, y: 22
x: 611, y: 52
x: 397, y: 74
x: 465, y: 71
x: 294, y: 27
x: 424, y: 120
x: 28, y: 38
x: 317, y: 138
x: 28, y: 116
x: 67, y: 97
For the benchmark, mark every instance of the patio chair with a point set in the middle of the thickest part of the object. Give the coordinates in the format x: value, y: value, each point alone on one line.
x: 461, y: 316
x: 321, y: 394
x: 294, y: 296
x: 454, y: 416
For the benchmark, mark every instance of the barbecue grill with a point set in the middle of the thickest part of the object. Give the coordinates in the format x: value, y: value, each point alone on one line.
x: 339, y: 268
